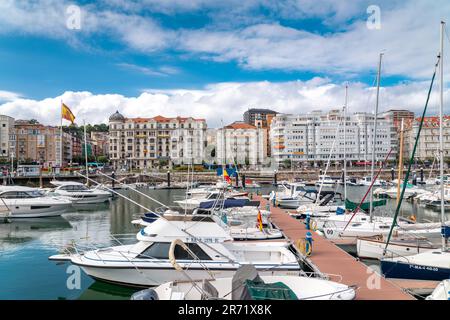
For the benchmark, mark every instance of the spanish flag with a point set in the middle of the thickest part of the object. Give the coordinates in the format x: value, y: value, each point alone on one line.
x: 66, y: 113
x: 226, y: 176
x: 259, y: 218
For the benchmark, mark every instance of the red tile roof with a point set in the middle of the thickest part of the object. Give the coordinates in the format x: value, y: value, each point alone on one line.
x: 239, y: 125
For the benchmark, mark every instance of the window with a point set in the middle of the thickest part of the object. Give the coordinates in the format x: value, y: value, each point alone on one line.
x: 160, y: 250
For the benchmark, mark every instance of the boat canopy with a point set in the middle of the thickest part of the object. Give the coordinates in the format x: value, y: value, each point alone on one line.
x: 227, y: 203
x: 248, y: 285
x: 350, y: 205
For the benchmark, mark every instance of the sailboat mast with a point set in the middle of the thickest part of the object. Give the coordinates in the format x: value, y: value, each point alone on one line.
x: 345, y: 142
x: 400, y: 163
x: 441, y: 127
x: 372, y: 171
x: 85, y: 153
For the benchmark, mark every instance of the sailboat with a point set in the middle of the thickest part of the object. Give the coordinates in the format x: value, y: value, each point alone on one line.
x: 432, y: 264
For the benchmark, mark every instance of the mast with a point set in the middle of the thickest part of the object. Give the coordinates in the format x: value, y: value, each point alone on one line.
x: 85, y: 153
x: 372, y: 171
x: 400, y: 163
x: 345, y: 142
x: 441, y: 128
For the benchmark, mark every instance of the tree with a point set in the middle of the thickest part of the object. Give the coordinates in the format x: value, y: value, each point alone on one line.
x: 286, y: 163
x: 33, y: 121
x: 102, y: 159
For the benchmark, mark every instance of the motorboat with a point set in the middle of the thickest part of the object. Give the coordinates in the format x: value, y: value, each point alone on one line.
x: 441, y: 292
x: 147, y: 262
x: 431, y: 265
x: 367, y: 181
x: 404, y: 245
x: 293, y: 196
x: 247, y: 284
x: 25, y: 202
x: 410, y: 192
x: 212, y: 196
x: 328, y: 204
x: 325, y: 181
x: 78, y: 193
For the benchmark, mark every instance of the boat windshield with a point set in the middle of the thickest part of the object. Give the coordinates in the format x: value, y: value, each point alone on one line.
x: 21, y: 194
x: 74, y: 188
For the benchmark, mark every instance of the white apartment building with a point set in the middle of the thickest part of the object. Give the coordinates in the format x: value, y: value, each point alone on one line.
x: 314, y: 136
x: 241, y: 143
x: 6, y: 129
x: 140, y: 143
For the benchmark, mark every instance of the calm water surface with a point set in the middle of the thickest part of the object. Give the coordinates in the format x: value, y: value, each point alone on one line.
x: 25, y: 245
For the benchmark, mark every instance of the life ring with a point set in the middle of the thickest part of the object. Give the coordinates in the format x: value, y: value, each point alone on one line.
x: 303, y: 246
x: 172, y: 259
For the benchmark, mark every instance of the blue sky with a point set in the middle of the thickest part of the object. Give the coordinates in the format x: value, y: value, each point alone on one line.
x: 171, y: 49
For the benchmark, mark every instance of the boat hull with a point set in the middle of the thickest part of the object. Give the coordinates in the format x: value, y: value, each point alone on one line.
x: 404, y: 270
x: 146, y: 277
x: 373, y: 249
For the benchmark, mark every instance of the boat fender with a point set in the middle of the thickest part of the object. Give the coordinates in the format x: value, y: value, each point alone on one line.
x: 147, y: 294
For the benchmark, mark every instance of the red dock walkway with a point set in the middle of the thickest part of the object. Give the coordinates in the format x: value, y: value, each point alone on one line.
x: 330, y: 259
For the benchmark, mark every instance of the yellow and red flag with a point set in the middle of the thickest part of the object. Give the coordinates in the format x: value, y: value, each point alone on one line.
x: 226, y: 176
x: 260, y: 224
x: 66, y: 113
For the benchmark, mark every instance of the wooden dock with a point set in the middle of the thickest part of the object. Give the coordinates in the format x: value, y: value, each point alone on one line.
x: 330, y: 259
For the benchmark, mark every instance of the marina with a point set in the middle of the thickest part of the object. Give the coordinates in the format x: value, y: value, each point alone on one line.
x: 39, y: 238
x: 226, y: 157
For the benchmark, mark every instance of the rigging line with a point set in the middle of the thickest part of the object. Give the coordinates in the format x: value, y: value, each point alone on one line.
x: 411, y: 160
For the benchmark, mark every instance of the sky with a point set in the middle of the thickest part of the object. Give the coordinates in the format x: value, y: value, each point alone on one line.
x: 215, y: 59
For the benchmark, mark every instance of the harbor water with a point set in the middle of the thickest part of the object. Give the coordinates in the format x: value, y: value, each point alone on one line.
x: 26, y: 244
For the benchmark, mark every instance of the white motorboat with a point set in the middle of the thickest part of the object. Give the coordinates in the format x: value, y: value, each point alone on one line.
x: 441, y: 292
x: 25, y: 202
x: 147, y: 263
x: 328, y: 205
x: 293, y: 196
x: 410, y: 192
x: 214, y: 195
x: 374, y: 247
x: 78, y: 193
x: 367, y: 181
x: 245, y: 283
x: 325, y: 181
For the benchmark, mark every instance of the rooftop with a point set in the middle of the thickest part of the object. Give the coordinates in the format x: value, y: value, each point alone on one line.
x: 239, y: 125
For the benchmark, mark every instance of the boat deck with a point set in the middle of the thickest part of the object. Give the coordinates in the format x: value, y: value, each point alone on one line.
x: 330, y: 259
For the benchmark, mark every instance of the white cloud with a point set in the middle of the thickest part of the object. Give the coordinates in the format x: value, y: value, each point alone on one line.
x: 8, y: 96
x: 225, y: 101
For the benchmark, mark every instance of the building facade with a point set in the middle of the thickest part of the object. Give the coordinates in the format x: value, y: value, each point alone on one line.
x: 428, y: 145
x: 6, y: 129
x: 261, y: 118
x: 312, y: 137
x: 34, y: 142
x: 140, y: 143
x: 241, y: 143
x: 100, y: 143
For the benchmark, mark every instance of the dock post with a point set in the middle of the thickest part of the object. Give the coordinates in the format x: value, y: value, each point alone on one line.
x: 243, y: 181
x: 393, y: 174
x: 113, y: 179
x: 275, y: 182
x: 41, y: 184
x: 237, y: 180
x: 421, y: 174
x: 168, y: 179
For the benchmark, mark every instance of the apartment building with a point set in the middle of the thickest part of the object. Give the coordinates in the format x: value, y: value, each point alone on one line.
x: 315, y: 136
x: 32, y: 141
x: 241, y: 143
x: 261, y: 118
x: 6, y: 129
x: 145, y: 142
x: 428, y: 145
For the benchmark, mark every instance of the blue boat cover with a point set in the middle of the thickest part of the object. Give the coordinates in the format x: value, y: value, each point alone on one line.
x: 228, y: 203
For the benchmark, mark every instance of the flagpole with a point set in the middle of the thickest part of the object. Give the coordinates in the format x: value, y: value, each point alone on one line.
x: 61, y: 141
